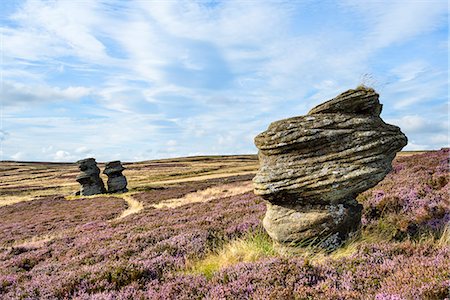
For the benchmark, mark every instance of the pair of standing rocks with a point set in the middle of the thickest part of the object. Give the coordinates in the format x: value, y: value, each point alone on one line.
x: 92, y: 184
x: 312, y: 168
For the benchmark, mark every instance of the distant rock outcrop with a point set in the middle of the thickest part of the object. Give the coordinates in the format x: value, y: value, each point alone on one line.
x: 312, y: 168
x: 89, y: 178
x: 117, y: 183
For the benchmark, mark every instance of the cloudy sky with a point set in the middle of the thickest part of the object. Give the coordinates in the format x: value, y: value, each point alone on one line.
x: 139, y: 80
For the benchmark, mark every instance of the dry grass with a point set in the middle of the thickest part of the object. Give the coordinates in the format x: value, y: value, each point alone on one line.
x: 203, y: 177
x: 14, y: 199
x: 409, y: 153
x: 253, y: 247
x: 258, y: 245
x: 317, y: 256
x: 219, y: 191
x: 444, y: 240
x: 35, y: 242
x: 23, y: 181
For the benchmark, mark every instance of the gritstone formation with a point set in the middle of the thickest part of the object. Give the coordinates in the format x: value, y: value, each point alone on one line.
x: 92, y: 184
x: 117, y: 183
x: 89, y: 178
x: 312, y: 168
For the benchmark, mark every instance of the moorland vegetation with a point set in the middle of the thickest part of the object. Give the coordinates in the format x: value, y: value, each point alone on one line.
x: 57, y: 247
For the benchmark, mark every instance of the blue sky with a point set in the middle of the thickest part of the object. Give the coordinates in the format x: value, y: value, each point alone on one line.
x: 139, y: 80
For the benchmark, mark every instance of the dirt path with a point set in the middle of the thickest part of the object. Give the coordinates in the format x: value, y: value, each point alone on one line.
x: 218, y: 191
x: 134, y: 207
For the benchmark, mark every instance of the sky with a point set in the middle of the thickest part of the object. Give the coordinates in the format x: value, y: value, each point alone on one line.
x: 141, y: 80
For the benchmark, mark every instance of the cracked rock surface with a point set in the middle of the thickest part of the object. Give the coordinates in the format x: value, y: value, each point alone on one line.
x: 312, y: 168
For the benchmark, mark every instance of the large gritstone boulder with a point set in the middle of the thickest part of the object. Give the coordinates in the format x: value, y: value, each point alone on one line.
x: 312, y: 168
x: 117, y: 183
x: 89, y: 178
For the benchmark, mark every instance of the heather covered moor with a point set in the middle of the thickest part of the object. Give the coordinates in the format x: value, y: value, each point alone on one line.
x: 57, y: 247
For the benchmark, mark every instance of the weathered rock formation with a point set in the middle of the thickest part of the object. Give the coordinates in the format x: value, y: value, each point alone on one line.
x: 89, y: 178
x: 117, y: 183
x: 312, y: 168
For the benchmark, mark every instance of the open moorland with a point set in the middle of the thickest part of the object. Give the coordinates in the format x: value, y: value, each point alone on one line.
x: 190, y: 228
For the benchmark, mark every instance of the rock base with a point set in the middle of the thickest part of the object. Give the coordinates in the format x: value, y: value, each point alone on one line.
x: 117, y: 184
x: 309, y: 225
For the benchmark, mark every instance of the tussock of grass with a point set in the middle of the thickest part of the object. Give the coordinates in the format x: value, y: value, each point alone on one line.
x: 364, y: 86
x: 312, y: 252
x: 254, y: 246
x: 444, y: 240
x: 258, y: 245
x: 78, y: 197
x: 351, y: 246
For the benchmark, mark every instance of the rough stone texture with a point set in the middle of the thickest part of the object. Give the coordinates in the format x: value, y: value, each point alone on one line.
x: 117, y: 183
x: 312, y: 168
x: 89, y: 178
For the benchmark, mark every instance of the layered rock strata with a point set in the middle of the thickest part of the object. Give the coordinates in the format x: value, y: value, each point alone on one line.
x: 312, y: 168
x: 117, y: 183
x: 89, y: 178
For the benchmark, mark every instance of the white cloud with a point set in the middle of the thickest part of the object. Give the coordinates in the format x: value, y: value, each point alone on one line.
x: 412, y: 146
x: 19, y: 156
x: 421, y: 92
x: 3, y: 135
x: 423, y: 133
x: 409, y: 71
x: 98, y: 137
x: 30, y: 44
x: 205, y: 76
x: 396, y: 21
x: 440, y: 139
x: 413, y: 123
x: 172, y: 143
x: 47, y: 149
x: 62, y: 155
x: 61, y: 28
x: 418, y: 124
x: 82, y: 150
x: 15, y: 93
x: 224, y: 24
